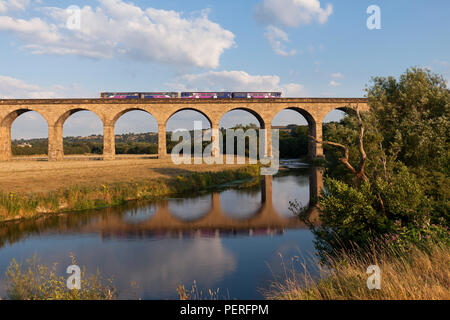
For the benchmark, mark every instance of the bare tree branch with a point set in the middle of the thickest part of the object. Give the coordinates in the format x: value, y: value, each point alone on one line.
x: 362, y: 162
x: 345, y: 159
x: 360, y: 173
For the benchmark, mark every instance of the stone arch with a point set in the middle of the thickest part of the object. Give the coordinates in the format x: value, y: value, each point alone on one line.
x: 250, y: 204
x: 264, y: 135
x: 119, y: 115
x: 253, y: 112
x: 312, y: 127
x: 162, y: 144
x: 190, y: 209
x: 5, y: 130
x: 62, y: 118
x: 13, y: 115
x: 189, y: 109
x: 348, y: 110
x: 56, y: 147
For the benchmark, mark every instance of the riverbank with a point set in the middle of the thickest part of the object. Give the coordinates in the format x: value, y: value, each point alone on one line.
x: 405, y: 274
x: 83, y: 185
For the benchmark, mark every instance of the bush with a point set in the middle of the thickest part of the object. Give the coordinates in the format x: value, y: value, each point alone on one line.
x: 395, y: 211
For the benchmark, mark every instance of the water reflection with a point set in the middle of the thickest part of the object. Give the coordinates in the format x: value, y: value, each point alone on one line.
x: 290, y: 188
x: 190, y: 209
x: 251, y: 198
x: 221, y: 239
x: 136, y: 216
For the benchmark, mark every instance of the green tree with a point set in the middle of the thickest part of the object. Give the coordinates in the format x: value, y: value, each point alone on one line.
x: 405, y: 195
x: 412, y: 114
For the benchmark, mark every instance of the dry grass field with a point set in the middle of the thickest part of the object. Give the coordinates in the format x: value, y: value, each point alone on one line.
x: 33, y: 176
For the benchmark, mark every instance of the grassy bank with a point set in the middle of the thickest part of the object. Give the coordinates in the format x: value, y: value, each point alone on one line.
x: 413, y: 274
x: 21, y: 205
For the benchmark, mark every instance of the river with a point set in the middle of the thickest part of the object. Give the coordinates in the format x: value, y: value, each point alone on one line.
x: 235, y: 238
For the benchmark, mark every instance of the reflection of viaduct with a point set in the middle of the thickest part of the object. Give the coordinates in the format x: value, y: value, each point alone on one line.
x: 163, y: 221
x: 114, y: 222
x: 56, y: 112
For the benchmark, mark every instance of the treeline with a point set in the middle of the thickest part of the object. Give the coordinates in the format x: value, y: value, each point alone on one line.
x: 293, y: 143
x: 130, y: 143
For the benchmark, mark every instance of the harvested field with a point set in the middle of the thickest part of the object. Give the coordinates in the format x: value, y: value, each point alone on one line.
x: 32, y: 176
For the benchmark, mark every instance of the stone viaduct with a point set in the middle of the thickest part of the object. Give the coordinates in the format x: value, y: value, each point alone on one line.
x: 56, y: 112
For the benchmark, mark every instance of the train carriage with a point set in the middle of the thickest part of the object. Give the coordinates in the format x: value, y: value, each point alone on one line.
x: 256, y: 95
x: 206, y: 95
x: 120, y: 95
x: 159, y: 95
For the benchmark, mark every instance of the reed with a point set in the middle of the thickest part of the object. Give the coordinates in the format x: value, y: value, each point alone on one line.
x: 36, y: 281
x: 406, y: 274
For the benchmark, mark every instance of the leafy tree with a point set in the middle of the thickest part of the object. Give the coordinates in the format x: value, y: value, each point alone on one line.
x: 404, y: 196
x: 412, y: 113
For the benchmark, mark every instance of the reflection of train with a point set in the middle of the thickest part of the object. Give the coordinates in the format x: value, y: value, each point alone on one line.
x: 189, y: 95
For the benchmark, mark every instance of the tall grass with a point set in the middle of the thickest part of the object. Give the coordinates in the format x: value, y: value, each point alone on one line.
x: 16, y: 206
x: 194, y: 293
x: 34, y: 281
x: 406, y: 274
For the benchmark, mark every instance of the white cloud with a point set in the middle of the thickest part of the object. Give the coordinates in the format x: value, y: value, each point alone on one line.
x: 337, y: 75
x: 12, y: 88
x: 13, y: 5
x: 334, y: 83
x: 293, y: 90
x: 119, y: 29
x: 236, y: 81
x: 292, y: 13
x: 276, y: 38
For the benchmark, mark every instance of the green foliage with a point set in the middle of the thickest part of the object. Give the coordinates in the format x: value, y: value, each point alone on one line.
x: 294, y: 144
x: 143, y: 143
x: 346, y: 132
x: 412, y: 113
x: 406, y: 199
x: 395, y: 211
x: 136, y: 148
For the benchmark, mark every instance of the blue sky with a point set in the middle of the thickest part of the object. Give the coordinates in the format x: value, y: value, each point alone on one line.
x: 303, y: 47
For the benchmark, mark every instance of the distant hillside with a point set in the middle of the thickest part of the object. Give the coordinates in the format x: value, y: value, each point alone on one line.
x: 129, y: 143
x: 293, y: 143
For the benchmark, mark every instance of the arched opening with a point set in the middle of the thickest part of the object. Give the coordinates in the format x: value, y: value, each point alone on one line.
x: 240, y: 204
x: 336, y: 115
x: 294, y: 131
x: 82, y: 134
x: 190, y: 209
x: 29, y: 134
x: 136, y: 133
x: 241, y: 119
x: 187, y: 120
x: 288, y: 188
x: 139, y: 215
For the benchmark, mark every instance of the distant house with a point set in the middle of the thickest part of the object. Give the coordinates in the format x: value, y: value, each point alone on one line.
x: 24, y: 145
x: 283, y: 128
